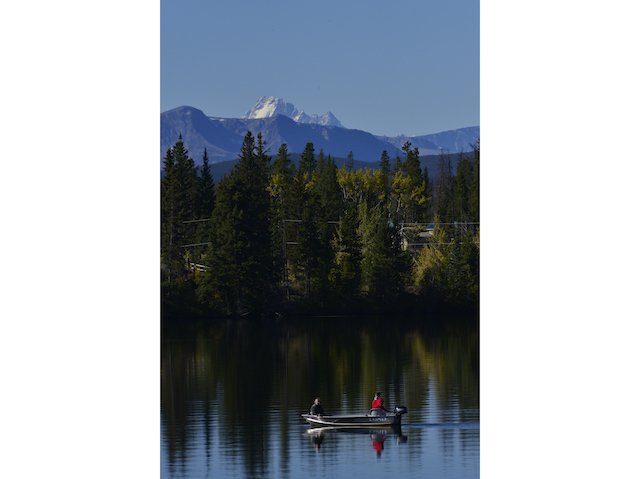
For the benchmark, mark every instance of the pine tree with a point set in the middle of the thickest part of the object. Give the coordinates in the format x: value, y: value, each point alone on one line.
x: 462, y: 189
x: 307, y: 160
x: 310, y: 247
x: 397, y: 165
x: 412, y: 163
x: 178, y: 206
x: 474, y: 208
x: 204, y: 204
x: 349, y: 163
x: 444, y: 190
x: 382, y: 265
x: 385, y: 164
x: 168, y: 246
x: 428, y: 193
x: 282, y: 208
x: 329, y: 199
x: 206, y: 189
x: 345, y: 273
x: 241, y: 277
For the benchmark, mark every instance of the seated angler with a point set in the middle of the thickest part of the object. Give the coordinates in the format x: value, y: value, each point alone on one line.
x: 377, y: 405
x: 316, y: 408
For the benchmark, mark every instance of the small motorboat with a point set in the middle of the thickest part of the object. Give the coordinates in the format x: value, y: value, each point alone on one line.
x: 376, y: 418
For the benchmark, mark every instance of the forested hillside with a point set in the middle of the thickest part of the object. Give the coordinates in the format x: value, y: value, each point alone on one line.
x: 273, y: 238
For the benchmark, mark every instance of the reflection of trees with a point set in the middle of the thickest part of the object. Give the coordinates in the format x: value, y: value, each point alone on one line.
x: 235, y: 371
x: 450, y: 359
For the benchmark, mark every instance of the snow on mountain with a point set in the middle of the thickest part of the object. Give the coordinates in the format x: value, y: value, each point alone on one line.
x: 270, y: 106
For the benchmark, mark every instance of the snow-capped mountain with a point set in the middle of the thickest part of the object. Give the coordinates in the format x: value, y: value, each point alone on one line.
x: 270, y: 106
x: 223, y: 137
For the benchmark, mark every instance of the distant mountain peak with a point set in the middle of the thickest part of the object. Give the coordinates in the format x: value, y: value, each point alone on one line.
x: 270, y: 106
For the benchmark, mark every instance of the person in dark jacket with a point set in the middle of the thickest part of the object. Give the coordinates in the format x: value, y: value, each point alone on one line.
x: 316, y: 408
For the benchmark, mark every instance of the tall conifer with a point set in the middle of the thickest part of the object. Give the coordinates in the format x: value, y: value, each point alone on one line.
x: 206, y: 189
x: 179, y: 201
x: 307, y: 160
x: 241, y: 275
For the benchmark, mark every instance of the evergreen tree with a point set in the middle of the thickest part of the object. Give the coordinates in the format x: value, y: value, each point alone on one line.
x: 310, y: 248
x: 241, y: 275
x: 444, y: 190
x: 206, y: 189
x: 474, y: 208
x: 282, y: 208
x: 220, y: 286
x: 385, y: 164
x: 462, y: 189
x: 382, y: 266
x: 282, y: 164
x: 169, y: 249
x: 329, y: 199
x: 349, y: 163
x: 307, y: 160
x: 397, y: 165
x: 204, y: 205
x: 177, y: 206
x: 428, y: 193
x: 412, y: 163
x: 345, y: 273
x: 384, y: 172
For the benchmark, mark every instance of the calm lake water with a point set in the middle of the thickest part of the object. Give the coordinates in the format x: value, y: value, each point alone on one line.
x: 232, y: 395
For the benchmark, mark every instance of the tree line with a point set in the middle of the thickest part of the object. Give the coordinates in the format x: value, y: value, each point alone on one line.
x: 274, y: 236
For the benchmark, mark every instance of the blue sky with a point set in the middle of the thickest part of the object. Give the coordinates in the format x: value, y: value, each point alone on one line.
x: 407, y: 66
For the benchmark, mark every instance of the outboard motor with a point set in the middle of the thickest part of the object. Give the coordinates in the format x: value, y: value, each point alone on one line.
x: 400, y: 410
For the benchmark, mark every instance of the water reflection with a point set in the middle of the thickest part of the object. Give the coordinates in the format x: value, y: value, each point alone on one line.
x: 317, y: 437
x: 377, y: 436
x: 232, y: 393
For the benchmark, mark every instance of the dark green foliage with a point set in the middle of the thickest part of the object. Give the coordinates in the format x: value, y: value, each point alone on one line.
x: 474, y: 208
x: 412, y: 163
x: 329, y: 200
x: 397, y: 165
x: 383, y: 266
x: 204, y: 206
x: 282, y: 207
x: 309, y: 248
x: 349, y: 163
x: 345, y: 273
x: 206, y: 189
x: 307, y: 160
x: 241, y: 274
x: 178, y: 204
x: 462, y: 269
x: 462, y: 189
x: 320, y: 238
x: 385, y: 169
x: 443, y: 193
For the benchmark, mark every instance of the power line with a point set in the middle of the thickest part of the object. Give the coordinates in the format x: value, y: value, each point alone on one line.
x: 197, y: 221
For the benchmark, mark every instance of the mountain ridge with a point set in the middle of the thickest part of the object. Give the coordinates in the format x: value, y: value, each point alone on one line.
x: 269, y: 106
x: 222, y: 137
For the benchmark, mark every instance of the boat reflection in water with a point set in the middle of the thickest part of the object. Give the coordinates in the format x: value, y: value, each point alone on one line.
x: 317, y: 437
x: 377, y: 436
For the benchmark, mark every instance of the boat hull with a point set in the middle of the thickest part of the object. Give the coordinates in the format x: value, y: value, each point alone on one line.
x: 353, y: 421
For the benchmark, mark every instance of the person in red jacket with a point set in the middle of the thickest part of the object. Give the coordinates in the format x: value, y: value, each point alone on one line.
x: 378, y: 402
